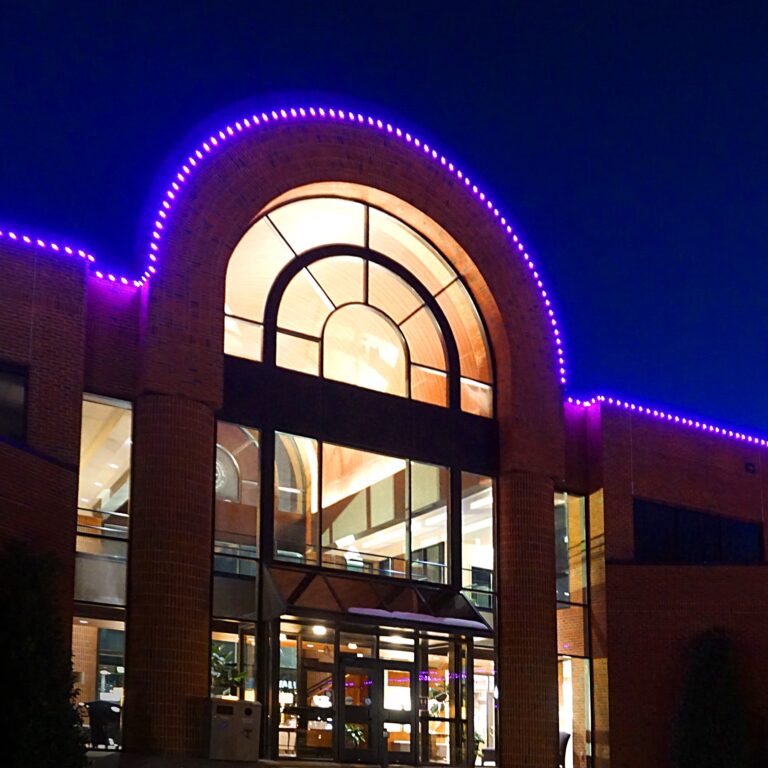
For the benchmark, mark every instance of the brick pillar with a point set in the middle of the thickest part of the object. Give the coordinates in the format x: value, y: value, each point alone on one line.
x: 168, y: 630
x: 527, y: 674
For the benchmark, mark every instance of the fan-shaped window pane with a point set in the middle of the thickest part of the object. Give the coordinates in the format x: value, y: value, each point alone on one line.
x: 398, y: 241
x: 341, y: 277
x: 476, y: 398
x: 298, y: 354
x: 242, y: 339
x: 304, y: 306
x: 468, y: 332
x: 393, y: 296
x: 252, y: 269
x: 319, y: 221
x: 362, y: 348
x: 425, y: 342
x: 429, y: 386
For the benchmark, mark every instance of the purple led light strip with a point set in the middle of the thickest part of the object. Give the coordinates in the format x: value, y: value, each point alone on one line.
x: 49, y: 245
x: 310, y: 113
x: 668, y: 417
x: 320, y: 113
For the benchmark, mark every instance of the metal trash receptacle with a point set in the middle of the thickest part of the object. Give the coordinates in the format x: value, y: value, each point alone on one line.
x: 235, y: 730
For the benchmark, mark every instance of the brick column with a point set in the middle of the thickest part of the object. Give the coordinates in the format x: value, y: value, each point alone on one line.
x: 527, y: 673
x: 168, y: 630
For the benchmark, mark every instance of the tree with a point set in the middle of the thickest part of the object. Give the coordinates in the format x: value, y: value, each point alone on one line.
x: 40, y: 725
x: 712, y: 727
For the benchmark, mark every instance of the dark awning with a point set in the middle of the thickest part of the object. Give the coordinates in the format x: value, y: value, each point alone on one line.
x: 312, y: 594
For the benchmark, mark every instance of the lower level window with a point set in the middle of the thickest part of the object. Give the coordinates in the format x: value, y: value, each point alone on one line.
x: 98, y: 659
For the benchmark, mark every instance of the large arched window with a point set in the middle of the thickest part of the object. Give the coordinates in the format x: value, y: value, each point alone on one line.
x: 359, y: 297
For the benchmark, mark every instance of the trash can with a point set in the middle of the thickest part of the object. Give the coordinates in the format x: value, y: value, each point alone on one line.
x: 235, y: 730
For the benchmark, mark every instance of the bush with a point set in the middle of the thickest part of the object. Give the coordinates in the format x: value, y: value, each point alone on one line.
x: 37, y: 714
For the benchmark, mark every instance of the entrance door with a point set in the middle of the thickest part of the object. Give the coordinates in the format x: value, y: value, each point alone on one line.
x: 377, y: 699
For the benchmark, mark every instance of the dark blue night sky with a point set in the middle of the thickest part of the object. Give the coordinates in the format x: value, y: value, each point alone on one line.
x: 628, y: 143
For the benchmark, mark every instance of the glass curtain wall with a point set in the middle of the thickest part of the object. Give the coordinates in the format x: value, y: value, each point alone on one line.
x: 372, y: 513
x: 104, y: 491
x: 235, y: 562
x: 574, y: 664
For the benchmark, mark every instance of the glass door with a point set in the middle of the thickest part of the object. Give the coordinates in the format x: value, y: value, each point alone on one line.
x: 360, y: 711
x: 398, y: 715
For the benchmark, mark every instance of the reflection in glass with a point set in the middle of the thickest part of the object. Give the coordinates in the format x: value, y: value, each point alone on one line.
x: 575, y: 712
x: 298, y: 353
x: 571, y: 548
x: 468, y: 332
x: 243, y: 338
x: 237, y: 490
x: 429, y: 386
x: 304, y: 306
x: 105, y: 467
x: 233, y: 663
x: 363, y: 348
x: 296, y: 498
x: 477, y: 538
x: 253, y: 267
x: 429, y: 522
x: 320, y: 221
x: 476, y: 397
x: 98, y: 662
x: 364, y: 511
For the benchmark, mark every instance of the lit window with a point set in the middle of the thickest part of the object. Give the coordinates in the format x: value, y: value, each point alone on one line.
x: 310, y: 305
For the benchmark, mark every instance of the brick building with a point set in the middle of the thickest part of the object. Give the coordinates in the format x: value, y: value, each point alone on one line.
x: 319, y: 456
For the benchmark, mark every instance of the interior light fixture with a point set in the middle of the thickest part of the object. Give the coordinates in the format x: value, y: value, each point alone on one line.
x: 352, y: 646
x: 319, y: 629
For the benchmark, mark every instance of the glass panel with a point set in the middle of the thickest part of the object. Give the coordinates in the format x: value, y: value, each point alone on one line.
x: 98, y: 661
x: 571, y: 630
x: 476, y: 398
x: 358, y: 687
x: 396, y: 645
x: 361, y: 646
x: 570, y: 548
x: 253, y: 267
x: 304, y: 307
x: 319, y: 221
x: 362, y: 348
x: 341, y: 277
x: 477, y: 538
x: 100, y: 568
x: 468, y: 332
x: 298, y: 354
x: 429, y: 386
x: 364, y: 511
x: 296, y: 498
x: 484, y: 702
x: 425, y: 342
x: 437, y: 678
x: 233, y: 663
x: 105, y: 467
x: 429, y: 522
x: 317, y: 644
x: 243, y: 339
x: 288, y: 693
x: 237, y: 490
x: 398, y: 737
x: 575, y: 715
x: 235, y: 587
x: 397, y: 689
x: 393, y: 296
x: 438, y: 741
x: 397, y: 240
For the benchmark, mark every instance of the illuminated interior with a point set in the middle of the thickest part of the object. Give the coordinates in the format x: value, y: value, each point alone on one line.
x: 349, y: 318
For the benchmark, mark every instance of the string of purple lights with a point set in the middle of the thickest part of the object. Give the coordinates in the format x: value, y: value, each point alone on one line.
x: 213, y: 142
